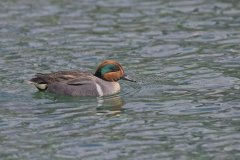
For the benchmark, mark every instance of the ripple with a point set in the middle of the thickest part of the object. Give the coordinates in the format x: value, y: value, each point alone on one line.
x: 184, y: 56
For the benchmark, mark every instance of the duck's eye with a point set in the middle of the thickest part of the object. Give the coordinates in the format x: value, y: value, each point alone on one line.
x: 114, y: 68
x: 109, y: 68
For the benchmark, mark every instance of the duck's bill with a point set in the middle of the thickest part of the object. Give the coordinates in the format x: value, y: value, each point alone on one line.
x: 127, y: 79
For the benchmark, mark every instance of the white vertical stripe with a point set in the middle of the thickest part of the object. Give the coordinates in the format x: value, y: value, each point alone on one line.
x: 99, y: 90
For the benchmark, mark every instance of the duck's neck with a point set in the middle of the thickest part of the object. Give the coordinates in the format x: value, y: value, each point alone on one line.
x: 98, y: 74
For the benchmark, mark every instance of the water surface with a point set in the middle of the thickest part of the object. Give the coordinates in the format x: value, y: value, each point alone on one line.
x: 184, y: 55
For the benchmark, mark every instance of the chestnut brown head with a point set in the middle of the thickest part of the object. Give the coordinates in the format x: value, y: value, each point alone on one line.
x: 111, y: 70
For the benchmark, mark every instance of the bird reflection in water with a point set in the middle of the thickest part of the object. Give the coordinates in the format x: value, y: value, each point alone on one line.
x: 110, y: 105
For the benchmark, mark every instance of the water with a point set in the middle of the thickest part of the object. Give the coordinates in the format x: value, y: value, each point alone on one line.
x: 184, y: 55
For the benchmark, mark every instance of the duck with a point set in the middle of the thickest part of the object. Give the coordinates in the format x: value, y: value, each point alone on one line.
x: 103, y: 82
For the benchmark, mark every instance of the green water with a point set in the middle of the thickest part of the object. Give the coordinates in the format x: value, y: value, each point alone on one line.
x: 184, y: 54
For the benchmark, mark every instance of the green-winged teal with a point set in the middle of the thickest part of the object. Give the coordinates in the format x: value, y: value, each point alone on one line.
x: 78, y: 83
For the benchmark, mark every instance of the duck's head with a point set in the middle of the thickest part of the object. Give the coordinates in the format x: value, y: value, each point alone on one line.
x: 111, y: 70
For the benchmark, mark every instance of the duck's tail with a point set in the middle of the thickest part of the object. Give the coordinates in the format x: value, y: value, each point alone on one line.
x: 39, y: 83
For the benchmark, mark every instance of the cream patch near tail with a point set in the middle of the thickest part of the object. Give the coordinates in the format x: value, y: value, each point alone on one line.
x: 39, y: 86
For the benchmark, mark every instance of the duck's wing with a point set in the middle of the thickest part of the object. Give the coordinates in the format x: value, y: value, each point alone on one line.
x: 41, y: 81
